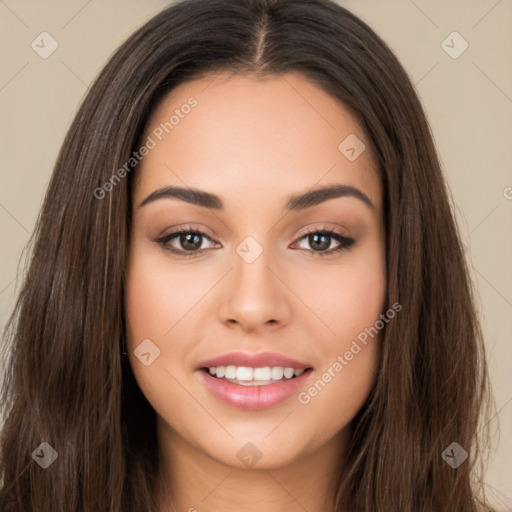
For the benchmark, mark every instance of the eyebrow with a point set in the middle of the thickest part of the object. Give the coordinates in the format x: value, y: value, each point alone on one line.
x: 295, y: 203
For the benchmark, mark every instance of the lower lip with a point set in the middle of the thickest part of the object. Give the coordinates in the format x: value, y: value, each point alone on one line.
x: 253, y: 398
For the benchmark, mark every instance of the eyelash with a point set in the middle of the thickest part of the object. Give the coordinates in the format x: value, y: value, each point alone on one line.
x: 345, y: 242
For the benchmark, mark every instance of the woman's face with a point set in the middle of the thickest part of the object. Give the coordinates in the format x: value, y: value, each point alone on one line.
x: 258, y: 282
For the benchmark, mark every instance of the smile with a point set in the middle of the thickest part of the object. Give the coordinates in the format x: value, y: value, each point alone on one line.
x: 247, y: 376
x: 253, y: 381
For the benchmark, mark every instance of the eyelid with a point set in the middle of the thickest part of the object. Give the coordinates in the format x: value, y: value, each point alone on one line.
x: 322, y: 229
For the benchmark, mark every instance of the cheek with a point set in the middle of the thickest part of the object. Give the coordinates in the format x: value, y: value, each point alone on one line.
x: 153, y: 306
x: 348, y: 297
x: 359, y: 302
x: 350, y: 362
x: 148, y: 298
x: 351, y: 305
x: 157, y: 298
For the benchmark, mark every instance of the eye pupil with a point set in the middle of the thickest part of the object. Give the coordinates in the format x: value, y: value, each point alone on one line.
x: 314, y: 241
x: 191, y: 241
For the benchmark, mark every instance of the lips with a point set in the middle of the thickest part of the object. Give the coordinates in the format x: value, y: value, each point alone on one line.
x: 260, y: 395
x: 254, y: 361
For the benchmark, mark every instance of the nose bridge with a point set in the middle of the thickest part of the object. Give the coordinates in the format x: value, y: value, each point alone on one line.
x: 254, y: 296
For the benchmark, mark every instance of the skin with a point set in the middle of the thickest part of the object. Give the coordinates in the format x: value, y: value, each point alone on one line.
x: 254, y: 143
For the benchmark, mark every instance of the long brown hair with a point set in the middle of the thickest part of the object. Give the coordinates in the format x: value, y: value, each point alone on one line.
x: 66, y: 382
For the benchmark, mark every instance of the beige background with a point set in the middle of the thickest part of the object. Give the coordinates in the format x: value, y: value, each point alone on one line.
x: 468, y: 101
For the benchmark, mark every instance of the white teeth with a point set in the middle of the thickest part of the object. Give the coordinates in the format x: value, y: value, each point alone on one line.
x: 248, y: 374
x: 230, y: 372
x: 277, y: 373
x: 262, y: 373
x: 244, y: 373
x: 288, y: 372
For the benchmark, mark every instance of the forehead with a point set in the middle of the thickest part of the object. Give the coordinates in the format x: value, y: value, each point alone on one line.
x: 277, y: 134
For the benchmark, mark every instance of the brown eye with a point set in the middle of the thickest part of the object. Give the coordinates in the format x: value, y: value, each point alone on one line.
x: 320, y: 241
x: 185, y: 242
x: 190, y: 241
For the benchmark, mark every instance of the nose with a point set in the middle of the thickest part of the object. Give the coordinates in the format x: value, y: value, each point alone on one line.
x: 253, y: 297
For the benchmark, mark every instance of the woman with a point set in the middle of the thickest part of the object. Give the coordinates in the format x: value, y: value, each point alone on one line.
x: 247, y: 289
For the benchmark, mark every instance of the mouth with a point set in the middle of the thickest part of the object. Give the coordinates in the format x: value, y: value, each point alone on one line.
x: 249, y: 376
x: 253, y: 381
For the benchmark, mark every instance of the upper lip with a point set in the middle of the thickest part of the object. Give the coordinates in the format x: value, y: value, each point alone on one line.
x: 259, y: 360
